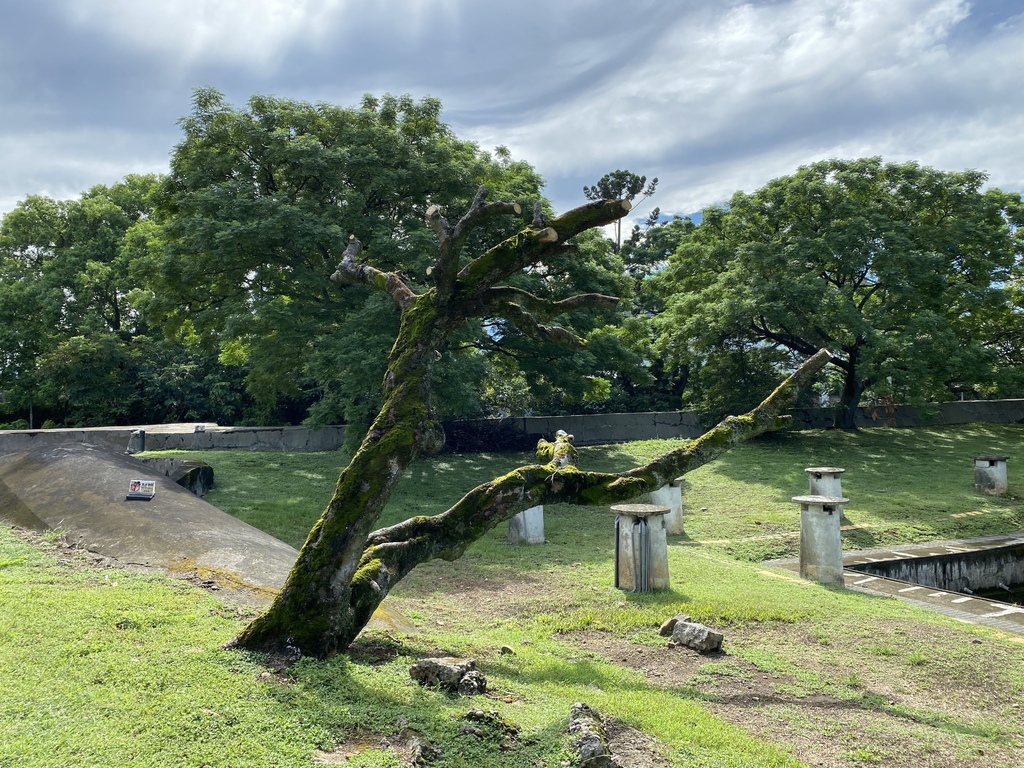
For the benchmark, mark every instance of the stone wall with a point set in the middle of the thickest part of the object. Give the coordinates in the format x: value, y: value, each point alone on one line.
x: 589, y: 429
x: 984, y: 569
x: 593, y: 429
x: 165, y: 437
x: 959, y: 412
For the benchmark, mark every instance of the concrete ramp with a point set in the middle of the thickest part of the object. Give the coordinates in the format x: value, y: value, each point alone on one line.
x: 81, y: 488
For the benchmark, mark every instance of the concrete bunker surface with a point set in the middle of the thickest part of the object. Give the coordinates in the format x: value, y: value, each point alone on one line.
x: 81, y: 489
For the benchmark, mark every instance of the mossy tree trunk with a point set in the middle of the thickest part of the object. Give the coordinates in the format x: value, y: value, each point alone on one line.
x: 345, y: 568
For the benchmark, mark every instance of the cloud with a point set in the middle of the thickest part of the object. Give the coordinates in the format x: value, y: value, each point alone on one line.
x: 728, y: 100
x: 709, y: 97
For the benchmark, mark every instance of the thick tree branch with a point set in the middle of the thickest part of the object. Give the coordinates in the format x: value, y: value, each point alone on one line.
x: 531, y: 246
x: 350, y: 272
x: 403, y: 546
x: 544, y: 309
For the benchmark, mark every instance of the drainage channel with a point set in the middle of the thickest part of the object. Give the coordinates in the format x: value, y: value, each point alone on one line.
x: 974, y: 580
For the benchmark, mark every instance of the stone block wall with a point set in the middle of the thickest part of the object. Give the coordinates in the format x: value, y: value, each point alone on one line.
x: 166, y: 437
x: 589, y: 429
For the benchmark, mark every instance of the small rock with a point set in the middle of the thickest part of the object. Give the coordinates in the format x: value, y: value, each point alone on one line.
x: 697, y: 636
x: 472, y: 683
x: 445, y: 672
x: 669, y: 625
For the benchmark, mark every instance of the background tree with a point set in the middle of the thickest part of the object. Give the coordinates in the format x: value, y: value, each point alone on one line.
x: 76, y: 341
x: 624, y: 185
x: 345, y: 568
x: 895, y: 268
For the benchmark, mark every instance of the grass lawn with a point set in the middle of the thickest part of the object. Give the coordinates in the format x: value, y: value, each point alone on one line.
x: 104, y: 667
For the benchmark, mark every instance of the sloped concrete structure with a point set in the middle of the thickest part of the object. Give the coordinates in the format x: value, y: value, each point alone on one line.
x: 81, y: 488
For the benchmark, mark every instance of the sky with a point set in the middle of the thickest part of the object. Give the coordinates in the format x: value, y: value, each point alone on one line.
x: 710, y: 97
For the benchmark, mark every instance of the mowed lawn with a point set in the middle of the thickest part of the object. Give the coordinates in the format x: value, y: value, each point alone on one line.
x: 104, y: 667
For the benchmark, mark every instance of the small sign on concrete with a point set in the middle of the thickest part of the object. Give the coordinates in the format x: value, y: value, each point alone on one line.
x: 141, y: 490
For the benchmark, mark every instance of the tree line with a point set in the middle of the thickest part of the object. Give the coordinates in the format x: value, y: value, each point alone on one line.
x: 203, y: 294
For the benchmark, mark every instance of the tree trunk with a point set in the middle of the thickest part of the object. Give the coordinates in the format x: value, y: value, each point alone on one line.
x: 317, y: 610
x: 849, y: 402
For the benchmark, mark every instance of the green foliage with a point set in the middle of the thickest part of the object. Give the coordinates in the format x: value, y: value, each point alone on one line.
x: 77, y: 340
x: 258, y: 208
x: 898, y: 269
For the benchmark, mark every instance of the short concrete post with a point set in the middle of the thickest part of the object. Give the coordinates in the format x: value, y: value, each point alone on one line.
x: 136, y: 441
x: 990, y: 475
x: 821, y: 547
x: 671, y: 496
x: 527, y: 527
x: 641, y: 547
x: 825, y: 481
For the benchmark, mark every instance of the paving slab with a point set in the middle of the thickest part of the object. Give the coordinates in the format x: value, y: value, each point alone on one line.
x: 969, y: 608
x: 81, y: 489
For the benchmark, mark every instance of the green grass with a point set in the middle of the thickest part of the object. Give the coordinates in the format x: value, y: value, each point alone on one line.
x: 903, y: 485
x: 104, y: 667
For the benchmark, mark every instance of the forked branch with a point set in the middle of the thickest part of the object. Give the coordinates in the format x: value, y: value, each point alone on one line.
x: 452, y: 239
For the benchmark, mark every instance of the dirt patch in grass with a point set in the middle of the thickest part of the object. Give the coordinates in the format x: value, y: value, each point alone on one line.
x: 899, y: 693
x: 842, y: 713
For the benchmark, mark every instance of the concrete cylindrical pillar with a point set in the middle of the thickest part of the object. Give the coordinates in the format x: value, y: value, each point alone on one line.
x: 821, y: 547
x: 641, y: 547
x: 671, y: 496
x: 990, y: 475
x: 527, y: 527
x: 825, y: 481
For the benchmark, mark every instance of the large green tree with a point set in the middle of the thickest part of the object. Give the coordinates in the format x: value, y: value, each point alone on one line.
x: 257, y: 210
x: 346, y: 568
x: 896, y: 268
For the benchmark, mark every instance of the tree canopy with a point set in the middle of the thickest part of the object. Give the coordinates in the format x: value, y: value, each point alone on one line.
x: 894, y: 267
x: 259, y: 206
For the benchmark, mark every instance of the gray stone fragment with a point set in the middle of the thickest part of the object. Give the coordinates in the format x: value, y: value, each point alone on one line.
x: 669, y: 625
x: 472, y: 683
x: 697, y: 636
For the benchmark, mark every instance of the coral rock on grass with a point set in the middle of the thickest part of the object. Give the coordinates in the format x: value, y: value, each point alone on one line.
x: 450, y: 674
x: 591, y: 742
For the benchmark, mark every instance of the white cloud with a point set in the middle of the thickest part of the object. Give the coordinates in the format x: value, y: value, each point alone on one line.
x: 709, y: 97
x: 63, y: 164
x: 728, y: 100
x: 247, y: 33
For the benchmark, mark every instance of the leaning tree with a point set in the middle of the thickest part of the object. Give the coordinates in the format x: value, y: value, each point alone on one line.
x: 346, y: 568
